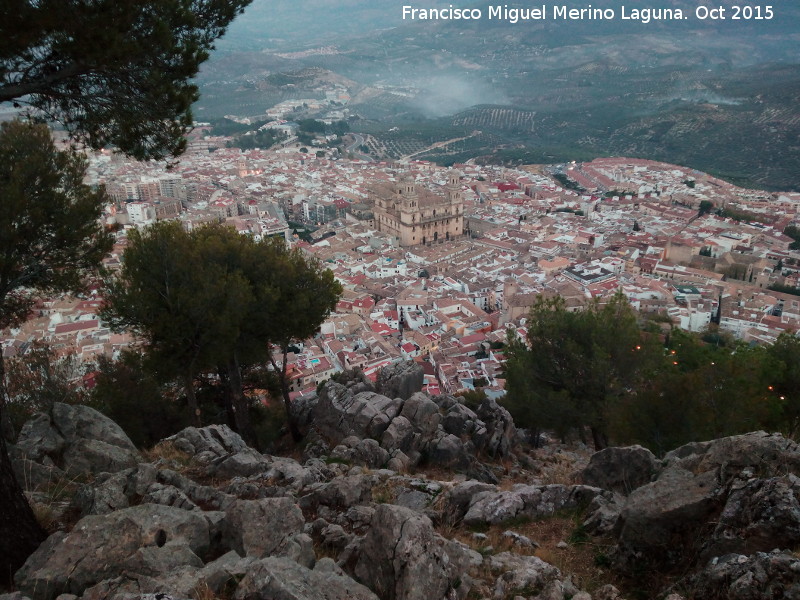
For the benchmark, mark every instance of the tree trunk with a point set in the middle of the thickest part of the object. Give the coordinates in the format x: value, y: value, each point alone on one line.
x: 294, y: 430
x: 239, y: 403
x: 191, y: 399
x: 600, y: 438
x: 20, y: 532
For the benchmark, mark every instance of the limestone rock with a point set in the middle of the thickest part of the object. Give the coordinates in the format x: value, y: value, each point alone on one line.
x: 401, y: 550
x: 259, y: 528
x: 755, y: 577
x: 339, y: 413
x: 771, y: 455
x: 279, y: 578
x: 621, y: 470
x: 527, y: 501
x: 400, y: 380
x: 500, y: 430
x: 102, y: 546
x: 518, y: 573
x: 78, y: 440
x: 361, y: 452
x: 658, y: 517
x: 222, y: 451
x: 760, y: 515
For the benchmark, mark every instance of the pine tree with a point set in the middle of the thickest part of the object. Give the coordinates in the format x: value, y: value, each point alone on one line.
x: 113, y: 72
x: 49, y: 238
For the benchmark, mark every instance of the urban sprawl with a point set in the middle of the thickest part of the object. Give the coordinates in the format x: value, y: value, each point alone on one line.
x: 438, y: 265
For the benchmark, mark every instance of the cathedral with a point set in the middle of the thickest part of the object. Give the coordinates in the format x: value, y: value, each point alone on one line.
x: 418, y: 216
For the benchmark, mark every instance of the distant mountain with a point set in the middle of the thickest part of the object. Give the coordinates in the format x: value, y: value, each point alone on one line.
x: 722, y: 96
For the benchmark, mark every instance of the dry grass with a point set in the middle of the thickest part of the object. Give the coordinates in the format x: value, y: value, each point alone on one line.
x: 45, y: 515
x: 167, y: 452
x: 582, y: 558
x: 52, y: 505
x: 202, y: 591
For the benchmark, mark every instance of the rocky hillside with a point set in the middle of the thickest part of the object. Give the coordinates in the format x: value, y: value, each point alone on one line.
x: 398, y: 495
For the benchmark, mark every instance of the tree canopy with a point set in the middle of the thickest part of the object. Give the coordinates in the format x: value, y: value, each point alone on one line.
x: 575, y: 364
x: 50, y: 237
x: 214, y: 300
x: 112, y: 72
x: 49, y: 230
x: 603, y: 369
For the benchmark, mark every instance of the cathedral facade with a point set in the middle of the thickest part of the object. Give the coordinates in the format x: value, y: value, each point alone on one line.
x: 418, y: 216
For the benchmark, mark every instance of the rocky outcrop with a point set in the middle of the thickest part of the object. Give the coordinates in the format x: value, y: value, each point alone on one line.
x: 758, y: 576
x: 736, y: 495
x: 220, y: 451
x: 283, y: 579
x: 529, y: 501
x: 527, y: 575
x: 400, y: 380
x: 72, y: 440
x: 621, y: 470
x: 261, y: 528
x: 409, y: 428
x: 401, y: 550
x: 147, y: 539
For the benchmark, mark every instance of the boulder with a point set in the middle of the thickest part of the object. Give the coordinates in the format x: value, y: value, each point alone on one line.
x: 339, y: 413
x: 78, y: 440
x: 221, y: 451
x: 147, y: 539
x: 279, y: 578
x: 459, y: 498
x: 707, y: 501
x: 621, y: 470
x: 499, y: 426
x: 260, y: 528
x: 401, y: 550
x: 662, y: 519
x: 214, y: 440
x: 748, y: 577
x: 759, y: 515
x: 340, y: 493
x: 423, y: 414
x: 361, y: 452
x: 113, y: 491
x: 400, y: 380
x: 531, y: 501
x: 526, y: 575
x: 769, y: 454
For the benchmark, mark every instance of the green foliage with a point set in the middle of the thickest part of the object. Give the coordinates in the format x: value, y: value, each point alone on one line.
x: 263, y: 138
x: 268, y: 423
x: 213, y: 300
x: 311, y: 126
x: 575, y: 365
x: 472, y: 398
x: 704, y: 390
x: 230, y: 127
x: 113, y: 72
x: 794, y: 233
x: 784, y: 289
x: 50, y: 238
x: 567, y: 183
x: 49, y: 231
x: 598, y: 369
x: 705, y: 206
x: 37, y: 379
x: 129, y: 392
x: 784, y: 357
x: 182, y: 303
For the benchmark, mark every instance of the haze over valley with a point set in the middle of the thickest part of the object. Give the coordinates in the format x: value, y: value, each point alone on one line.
x: 720, y: 96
